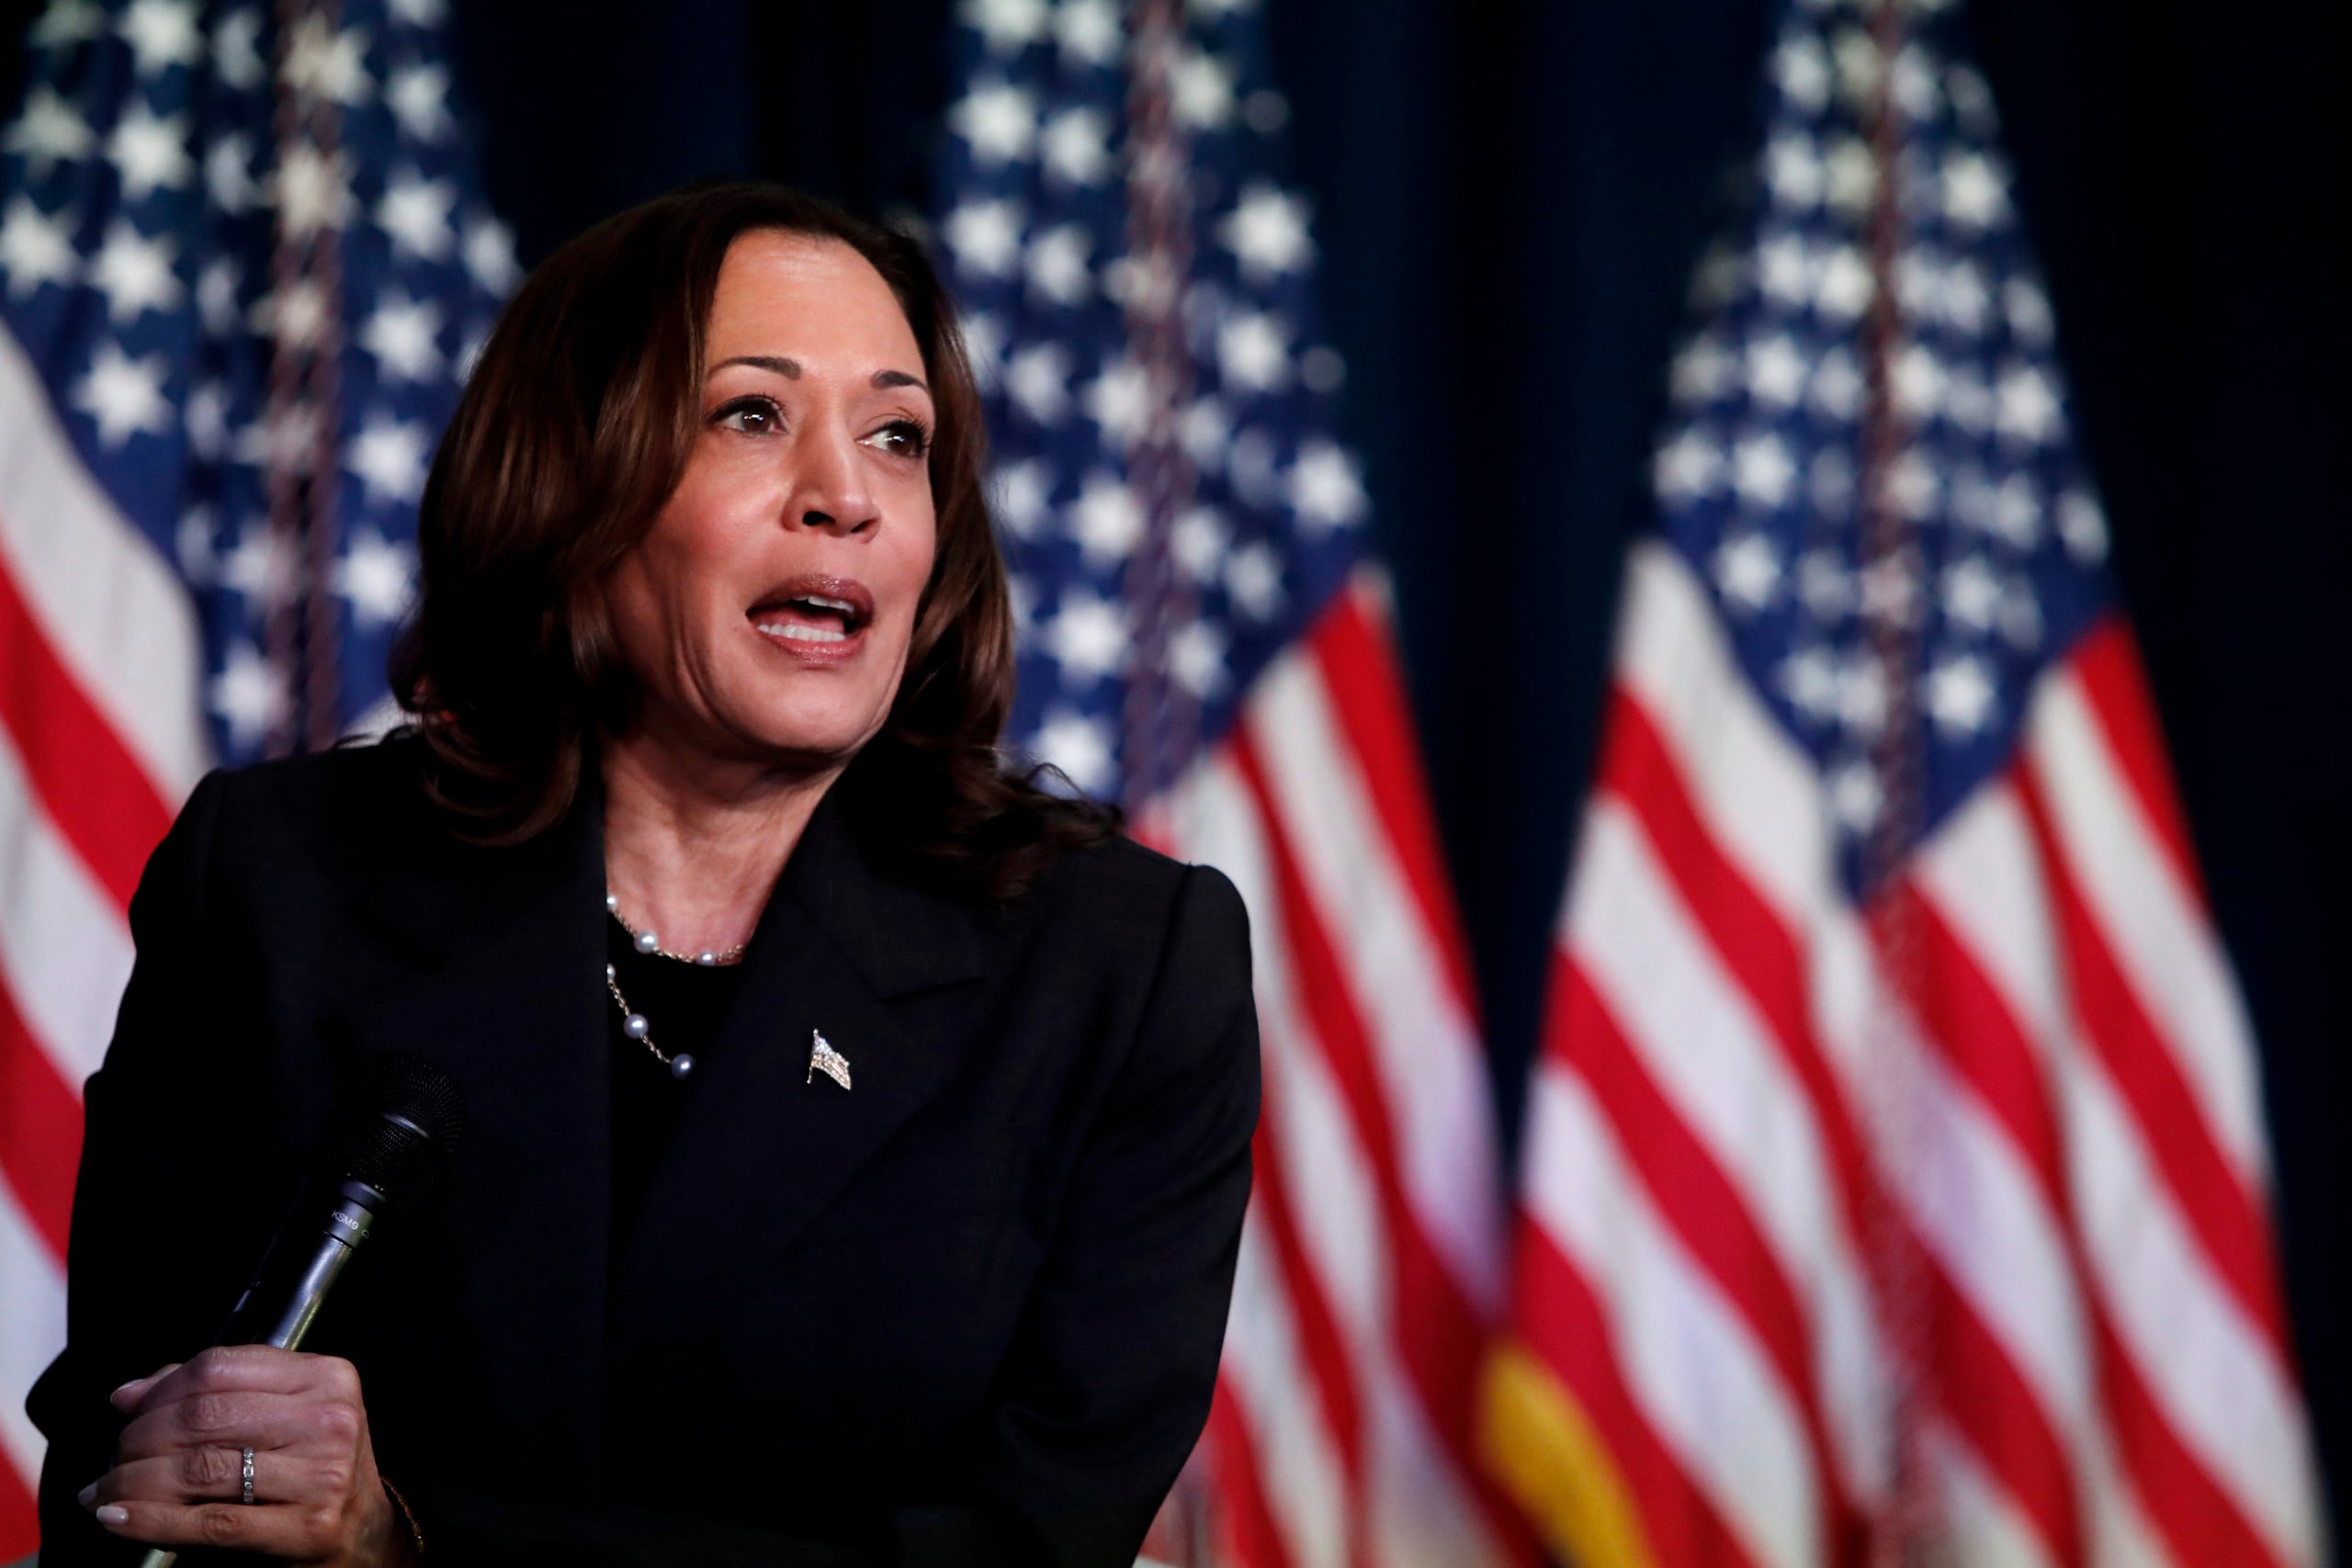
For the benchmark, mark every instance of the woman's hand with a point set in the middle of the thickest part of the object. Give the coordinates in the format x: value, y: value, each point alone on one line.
x: 178, y: 1471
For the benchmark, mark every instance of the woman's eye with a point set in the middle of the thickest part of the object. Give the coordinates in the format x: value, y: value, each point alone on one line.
x: 752, y: 416
x: 902, y: 438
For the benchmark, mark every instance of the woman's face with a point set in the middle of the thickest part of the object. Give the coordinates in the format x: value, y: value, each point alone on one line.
x: 767, y: 613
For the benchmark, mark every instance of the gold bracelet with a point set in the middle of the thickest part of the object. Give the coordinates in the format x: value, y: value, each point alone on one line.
x: 408, y: 1515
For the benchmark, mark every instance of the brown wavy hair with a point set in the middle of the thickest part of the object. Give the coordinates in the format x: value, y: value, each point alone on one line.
x: 574, y: 428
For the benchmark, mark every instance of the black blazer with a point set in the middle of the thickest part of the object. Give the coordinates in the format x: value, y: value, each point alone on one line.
x: 969, y: 1311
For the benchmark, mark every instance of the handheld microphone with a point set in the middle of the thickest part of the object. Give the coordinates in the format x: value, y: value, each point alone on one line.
x: 384, y: 1149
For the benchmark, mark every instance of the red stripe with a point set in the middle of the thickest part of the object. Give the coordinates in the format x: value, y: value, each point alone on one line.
x: 2107, y: 663
x: 41, y: 1129
x: 1990, y: 1404
x: 1562, y: 1324
x: 2198, y: 1520
x: 1709, y: 1212
x: 86, y: 781
x: 1437, y: 1336
x: 1359, y: 667
x: 1320, y: 1337
x: 20, y: 1519
x: 1244, y: 1525
x: 2226, y: 1220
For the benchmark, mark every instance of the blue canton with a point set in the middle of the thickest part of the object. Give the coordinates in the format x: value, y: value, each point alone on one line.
x: 144, y: 189
x: 1033, y: 238
x: 1757, y: 475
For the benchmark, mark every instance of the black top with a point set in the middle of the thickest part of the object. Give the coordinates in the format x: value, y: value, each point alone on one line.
x: 967, y: 1312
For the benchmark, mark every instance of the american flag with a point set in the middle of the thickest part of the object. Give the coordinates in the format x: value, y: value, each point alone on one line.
x: 1203, y: 638
x: 1895, y: 1182
x: 242, y: 264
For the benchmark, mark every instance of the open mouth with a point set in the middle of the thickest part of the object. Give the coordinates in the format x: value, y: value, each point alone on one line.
x: 814, y: 613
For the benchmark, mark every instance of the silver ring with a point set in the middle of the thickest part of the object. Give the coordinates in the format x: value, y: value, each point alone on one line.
x: 245, y: 1478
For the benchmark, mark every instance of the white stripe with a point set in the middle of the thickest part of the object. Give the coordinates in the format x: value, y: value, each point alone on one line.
x: 1703, y: 1385
x: 1426, y: 1051
x: 1422, y: 1510
x: 2153, y: 925
x: 1714, y: 1059
x: 1979, y: 1527
x: 1299, y: 1471
x: 1982, y: 873
x: 33, y: 1331
x: 2212, y: 1372
x: 64, y: 949
x: 107, y: 603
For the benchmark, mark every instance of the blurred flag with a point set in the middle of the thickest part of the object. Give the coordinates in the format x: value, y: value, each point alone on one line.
x: 242, y: 261
x: 1895, y: 1179
x: 1202, y: 639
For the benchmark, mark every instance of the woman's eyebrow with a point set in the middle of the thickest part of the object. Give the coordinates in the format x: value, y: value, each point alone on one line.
x: 788, y: 368
x: 886, y: 379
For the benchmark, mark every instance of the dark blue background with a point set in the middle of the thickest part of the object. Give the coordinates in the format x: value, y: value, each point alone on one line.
x: 1510, y: 197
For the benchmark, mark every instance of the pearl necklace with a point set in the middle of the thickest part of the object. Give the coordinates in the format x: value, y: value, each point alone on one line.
x: 633, y: 1023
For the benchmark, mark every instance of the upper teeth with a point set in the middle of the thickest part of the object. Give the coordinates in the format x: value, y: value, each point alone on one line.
x: 844, y: 606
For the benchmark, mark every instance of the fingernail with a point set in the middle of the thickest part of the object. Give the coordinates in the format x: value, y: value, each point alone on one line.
x: 133, y: 1387
x: 87, y: 1495
x: 113, y: 1514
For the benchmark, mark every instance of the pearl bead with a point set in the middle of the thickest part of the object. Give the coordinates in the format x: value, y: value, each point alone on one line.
x: 611, y: 973
x: 681, y: 1065
x: 613, y: 903
x: 648, y: 943
x: 634, y: 1026
x: 706, y: 958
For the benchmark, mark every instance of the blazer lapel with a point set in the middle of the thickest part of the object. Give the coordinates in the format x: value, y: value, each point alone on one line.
x: 764, y: 1148
x: 514, y: 1011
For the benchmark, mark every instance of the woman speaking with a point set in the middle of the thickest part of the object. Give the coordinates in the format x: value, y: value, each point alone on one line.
x: 860, y: 1134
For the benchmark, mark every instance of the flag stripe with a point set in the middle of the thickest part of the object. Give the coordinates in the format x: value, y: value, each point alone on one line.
x: 1306, y: 1490
x: 86, y: 783
x: 2107, y: 664
x: 64, y: 945
x: 32, y: 1306
x: 1250, y: 1533
x: 109, y: 606
x: 40, y: 1130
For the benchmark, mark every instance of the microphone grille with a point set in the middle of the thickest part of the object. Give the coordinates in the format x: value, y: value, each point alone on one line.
x: 399, y: 1120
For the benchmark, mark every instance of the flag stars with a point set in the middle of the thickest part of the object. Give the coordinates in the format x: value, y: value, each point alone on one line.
x: 985, y: 237
x: 1201, y: 87
x: 1087, y: 635
x: 1973, y: 195
x: 418, y: 97
x: 1089, y: 32
x: 1075, y: 146
x: 2028, y: 309
x: 388, y: 458
x: 1747, y: 572
x: 1253, y: 578
x: 49, y: 131
x: 150, y: 151
x: 488, y: 256
x: 205, y: 418
x: 1776, y: 372
x: 1267, y: 232
x: 1843, y: 287
x: 227, y: 172
x: 1688, y: 467
x: 1019, y: 496
x: 35, y: 249
x: 134, y: 273
x: 2082, y: 527
x: 236, y: 50
x: 1855, y: 796
x: 1761, y: 471
x: 1961, y: 698
x: 1006, y: 27
x: 1853, y: 177
x: 1107, y: 520
x: 997, y: 121
x: 1197, y: 659
x: 1808, y: 679
x: 1972, y: 594
x: 1918, y: 381
x: 1823, y: 585
x: 296, y: 316
x: 1325, y: 488
x: 2025, y: 406
x: 323, y: 62
x: 1793, y: 169
x: 162, y: 34
x: 375, y: 577
x: 415, y: 213
x: 1118, y: 401
x: 261, y: 568
x: 1197, y: 541
x: 248, y: 696
x: 1037, y: 380
x: 1058, y: 265
x: 404, y: 336
x: 1701, y: 372
x: 1079, y: 747
x: 215, y: 297
x: 1801, y: 70
x: 1253, y: 352
x: 124, y: 396
x: 1784, y: 269
x: 64, y: 23
x: 312, y: 190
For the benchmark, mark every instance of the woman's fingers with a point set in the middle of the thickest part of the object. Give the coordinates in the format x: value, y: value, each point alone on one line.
x: 238, y: 1420
x: 242, y: 1369
x: 126, y: 1398
x: 283, y: 1532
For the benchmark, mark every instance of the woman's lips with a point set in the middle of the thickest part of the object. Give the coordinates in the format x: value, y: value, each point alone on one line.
x: 815, y: 617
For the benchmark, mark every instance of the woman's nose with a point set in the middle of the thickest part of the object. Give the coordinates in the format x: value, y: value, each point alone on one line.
x: 830, y: 492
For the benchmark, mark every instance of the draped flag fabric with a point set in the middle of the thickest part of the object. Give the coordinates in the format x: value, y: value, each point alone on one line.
x: 1201, y: 638
x: 242, y: 262
x: 1895, y: 1177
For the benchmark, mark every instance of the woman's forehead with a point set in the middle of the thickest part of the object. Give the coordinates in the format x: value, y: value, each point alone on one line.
x: 809, y: 297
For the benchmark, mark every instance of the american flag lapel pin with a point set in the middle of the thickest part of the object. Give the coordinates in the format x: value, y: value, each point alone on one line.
x: 823, y: 1058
